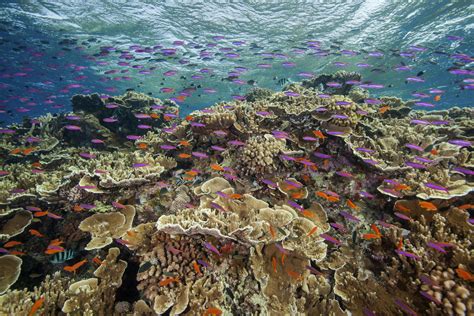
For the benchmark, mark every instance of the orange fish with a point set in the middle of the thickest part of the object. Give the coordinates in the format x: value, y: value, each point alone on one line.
x: 319, y: 134
x: 212, y: 311
x: 12, y: 244
x: 400, y: 244
x: 184, y: 156
x: 167, y: 117
x: 376, y: 230
x: 181, y: 98
x: 17, y: 253
x: 217, y: 167
x: 297, y: 195
x: 352, y: 205
x: 235, y: 196
x: 274, y: 264
x: 322, y: 194
x: 293, y: 274
x: 75, y: 266
x: 312, y: 231
x: 191, y: 173
x: 167, y: 281
x: 36, y: 164
x: 155, y: 115
x: 53, y: 251
x: 370, y: 236
x: 332, y: 198
x: 142, y: 145
x: 56, y: 242
x: 384, y: 109
x: 37, y: 305
x: 306, y: 178
x: 36, y: 233
x: 437, y: 97
x: 96, y: 260
x: 466, y: 207
x: 283, y: 256
x: 272, y: 231
x: 307, y: 213
x: 402, y: 208
x: 196, y: 268
x: 227, y: 248
x: 184, y: 143
x: 15, y: 151
x: 465, y: 275
x: 28, y: 151
x: 189, y: 118
x: 326, y: 163
x: 400, y: 187
x: 131, y: 233
x: 314, y: 168
x: 40, y: 214
x: 428, y: 206
x: 434, y: 152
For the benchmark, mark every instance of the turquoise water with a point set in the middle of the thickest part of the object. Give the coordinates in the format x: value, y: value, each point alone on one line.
x: 51, y: 50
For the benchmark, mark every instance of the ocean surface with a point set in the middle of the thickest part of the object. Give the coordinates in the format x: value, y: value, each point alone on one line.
x: 202, y: 52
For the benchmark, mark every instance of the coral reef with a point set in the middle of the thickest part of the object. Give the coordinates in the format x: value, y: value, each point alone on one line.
x: 316, y: 200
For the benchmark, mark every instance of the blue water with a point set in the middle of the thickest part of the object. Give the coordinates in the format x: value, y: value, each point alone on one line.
x: 51, y: 50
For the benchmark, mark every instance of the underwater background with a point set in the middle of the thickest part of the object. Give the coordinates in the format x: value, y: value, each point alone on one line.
x: 236, y: 158
x: 52, y: 50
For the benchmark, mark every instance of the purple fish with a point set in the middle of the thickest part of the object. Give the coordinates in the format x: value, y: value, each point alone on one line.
x: 53, y: 216
x: 281, y: 249
x: 423, y: 159
x: 313, y: 270
x: 407, y: 254
x: 10, y: 131
x: 87, y: 206
x: 415, y: 147
x: 402, y: 216
x: 436, y: 187
x: 344, y: 174
x: 365, y: 150
x: 425, y: 104
x: 366, y: 194
x: 427, y: 280
x: 217, y: 206
x: 203, y: 263
x: 415, y: 165
x: 140, y: 165
x: 97, y: 141
x: 229, y: 176
x: 431, y: 298
x: 222, y: 194
x: 348, y: 216
x: 331, y: 239
x: 196, y: 124
x: 72, y: 127
x: 321, y: 155
x: 133, y: 137
x: 212, y: 248
x: 405, y: 307
x: 218, y: 148
x: 199, y: 154
x: 263, y: 113
x: 167, y: 147
x: 269, y: 183
x: 293, y: 184
x: 287, y: 158
x: 291, y: 94
x: 87, y: 155
x: 460, y: 142
x: 464, y: 171
x: 420, y: 122
x: 436, y: 246
x: 236, y: 143
x: 110, y: 120
x: 295, y: 205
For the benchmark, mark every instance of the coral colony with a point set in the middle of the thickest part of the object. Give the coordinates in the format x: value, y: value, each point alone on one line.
x: 316, y: 200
